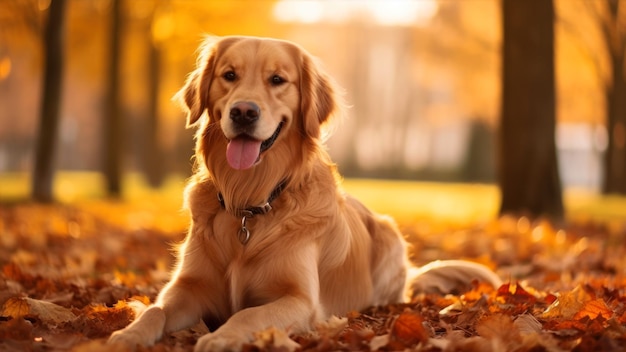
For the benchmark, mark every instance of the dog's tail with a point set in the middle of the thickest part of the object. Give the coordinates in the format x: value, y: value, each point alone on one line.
x: 449, y: 276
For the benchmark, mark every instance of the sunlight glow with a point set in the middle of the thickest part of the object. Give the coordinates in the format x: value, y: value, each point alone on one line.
x: 305, y: 11
x: 561, y: 237
x: 163, y: 27
x: 523, y: 225
x: 537, y: 234
x: 43, y: 5
x: 401, y: 12
x: 382, y: 12
x: 5, y: 67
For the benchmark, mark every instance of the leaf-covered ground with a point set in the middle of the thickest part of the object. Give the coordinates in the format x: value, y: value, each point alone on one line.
x: 72, y: 274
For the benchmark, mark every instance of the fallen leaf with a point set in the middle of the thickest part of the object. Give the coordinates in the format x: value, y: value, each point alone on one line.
x: 17, y: 329
x: 137, y: 303
x: 100, y: 346
x: 527, y: 324
x: 15, y: 307
x: 332, y: 326
x: 51, y: 313
x: 568, y: 304
x: 594, y: 308
x: 68, y: 272
x: 379, y: 342
x: 61, y: 341
x: 276, y: 338
x: 99, y: 321
x: 455, y: 308
x: 408, y: 329
x: 496, y: 326
x: 515, y: 294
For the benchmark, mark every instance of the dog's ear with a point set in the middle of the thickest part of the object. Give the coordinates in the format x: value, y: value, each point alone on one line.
x: 194, y: 94
x: 318, y: 96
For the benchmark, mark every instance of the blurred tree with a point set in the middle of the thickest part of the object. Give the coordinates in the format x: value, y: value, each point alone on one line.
x: 612, y: 22
x: 153, y: 156
x: 478, y: 165
x: 154, y: 151
x: 528, y: 173
x: 43, y: 174
x: 113, y: 141
x: 20, y: 21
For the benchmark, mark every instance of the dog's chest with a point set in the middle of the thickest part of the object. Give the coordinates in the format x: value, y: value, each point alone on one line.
x: 252, y: 273
x: 249, y: 283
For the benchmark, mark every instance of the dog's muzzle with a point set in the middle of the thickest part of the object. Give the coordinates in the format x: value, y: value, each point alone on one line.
x: 244, y: 151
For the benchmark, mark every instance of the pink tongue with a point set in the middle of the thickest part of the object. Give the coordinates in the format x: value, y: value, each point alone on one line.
x: 242, y: 152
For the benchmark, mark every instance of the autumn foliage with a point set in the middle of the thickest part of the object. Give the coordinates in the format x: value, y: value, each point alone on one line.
x: 71, y: 275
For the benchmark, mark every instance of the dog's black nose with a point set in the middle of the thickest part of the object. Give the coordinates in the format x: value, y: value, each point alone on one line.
x: 244, y: 113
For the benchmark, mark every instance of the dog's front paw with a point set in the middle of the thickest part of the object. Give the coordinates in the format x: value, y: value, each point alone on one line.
x: 126, y: 338
x: 221, y: 341
x: 144, y: 331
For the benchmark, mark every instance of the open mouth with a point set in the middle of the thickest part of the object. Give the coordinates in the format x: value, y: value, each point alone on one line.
x: 270, y: 141
x: 243, y: 152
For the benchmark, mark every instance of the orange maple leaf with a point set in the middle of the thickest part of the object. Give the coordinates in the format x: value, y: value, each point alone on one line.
x: 408, y: 329
x: 593, y: 309
x: 17, y: 307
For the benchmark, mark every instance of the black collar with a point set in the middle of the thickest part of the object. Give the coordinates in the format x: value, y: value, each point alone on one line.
x: 252, y: 211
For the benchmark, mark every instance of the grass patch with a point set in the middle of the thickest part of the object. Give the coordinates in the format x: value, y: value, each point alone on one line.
x: 462, y: 204
x: 454, y: 202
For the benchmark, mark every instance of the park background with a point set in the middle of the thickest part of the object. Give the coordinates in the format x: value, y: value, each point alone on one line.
x: 530, y: 182
x: 423, y: 80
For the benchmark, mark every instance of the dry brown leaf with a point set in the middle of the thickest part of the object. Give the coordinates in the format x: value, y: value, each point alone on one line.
x: 496, y: 326
x: 15, y: 307
x: 67, y: 273
x: 275, y: 338
x: 331, y: 327
x: 100, y: 346
x: 475, y: 344
x: 440, y: 343
x: 594, y: 308
x: 136, y: 303
x: 17, y: 328
x: 455, y: 308
x: 379, y: 342
x: 515, y: 294
x: 527, y: 324
x: 97, y: 321
x: 61, y: 341
x: 408, y: 329
x: 49, y: 312
x: 568, y: 304
x: 13, y: 272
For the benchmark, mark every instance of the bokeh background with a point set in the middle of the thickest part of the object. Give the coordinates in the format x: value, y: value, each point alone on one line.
x: 491, y: 130
x: 422, y: 78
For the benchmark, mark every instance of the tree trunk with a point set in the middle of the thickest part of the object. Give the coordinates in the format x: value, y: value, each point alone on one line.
x: 43, y: 175
x: 528, y: 174
x: 113, y: 141
x: 153, y: 154
x: 615, y: 156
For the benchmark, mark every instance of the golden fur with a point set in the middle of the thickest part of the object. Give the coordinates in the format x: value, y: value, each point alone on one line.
x: 318, y: 252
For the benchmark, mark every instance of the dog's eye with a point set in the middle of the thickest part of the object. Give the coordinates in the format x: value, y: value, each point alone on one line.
x: 230, y: 76
x: 277, y: 80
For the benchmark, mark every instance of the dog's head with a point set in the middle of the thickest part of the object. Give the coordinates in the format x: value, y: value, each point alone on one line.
x: 257, y: 92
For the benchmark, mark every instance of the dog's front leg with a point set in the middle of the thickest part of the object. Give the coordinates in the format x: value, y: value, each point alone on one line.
x: 294, y: 279
x: 144, y: 331
x: 177, y: 307
x: 192, y: 292
x: 289, y: 312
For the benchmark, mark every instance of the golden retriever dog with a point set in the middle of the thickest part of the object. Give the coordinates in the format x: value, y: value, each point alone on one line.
x: 274, y: 241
